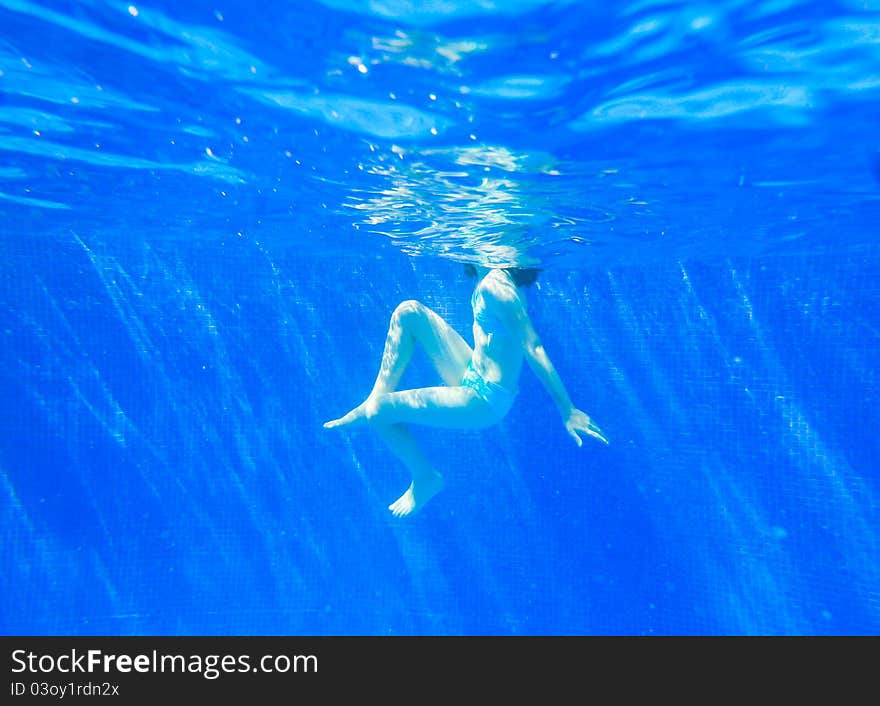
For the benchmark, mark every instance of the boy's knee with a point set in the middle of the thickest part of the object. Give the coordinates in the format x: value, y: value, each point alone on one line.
x: 408, y: 309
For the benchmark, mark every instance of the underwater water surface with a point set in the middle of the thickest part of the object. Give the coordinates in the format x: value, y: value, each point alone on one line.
x: 208, y: 212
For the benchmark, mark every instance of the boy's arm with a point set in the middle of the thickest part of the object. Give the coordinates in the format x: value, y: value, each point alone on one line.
x: 573, y: 418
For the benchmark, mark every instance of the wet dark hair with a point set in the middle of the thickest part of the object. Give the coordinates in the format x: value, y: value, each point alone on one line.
x: 521, y: 276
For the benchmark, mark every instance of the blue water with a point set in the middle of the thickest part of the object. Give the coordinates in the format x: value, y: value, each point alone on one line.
x: 210, y: 209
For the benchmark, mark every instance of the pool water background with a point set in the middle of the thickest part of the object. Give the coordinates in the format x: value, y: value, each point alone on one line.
x: 182, y: 308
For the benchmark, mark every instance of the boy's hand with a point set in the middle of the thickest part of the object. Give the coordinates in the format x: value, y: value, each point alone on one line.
x: 579, y: 421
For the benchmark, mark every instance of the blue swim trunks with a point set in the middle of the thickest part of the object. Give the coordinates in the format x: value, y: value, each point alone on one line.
x: 497, y: 397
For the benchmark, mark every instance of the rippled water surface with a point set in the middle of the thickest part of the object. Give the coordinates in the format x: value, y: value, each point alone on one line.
x: 521, y: 131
